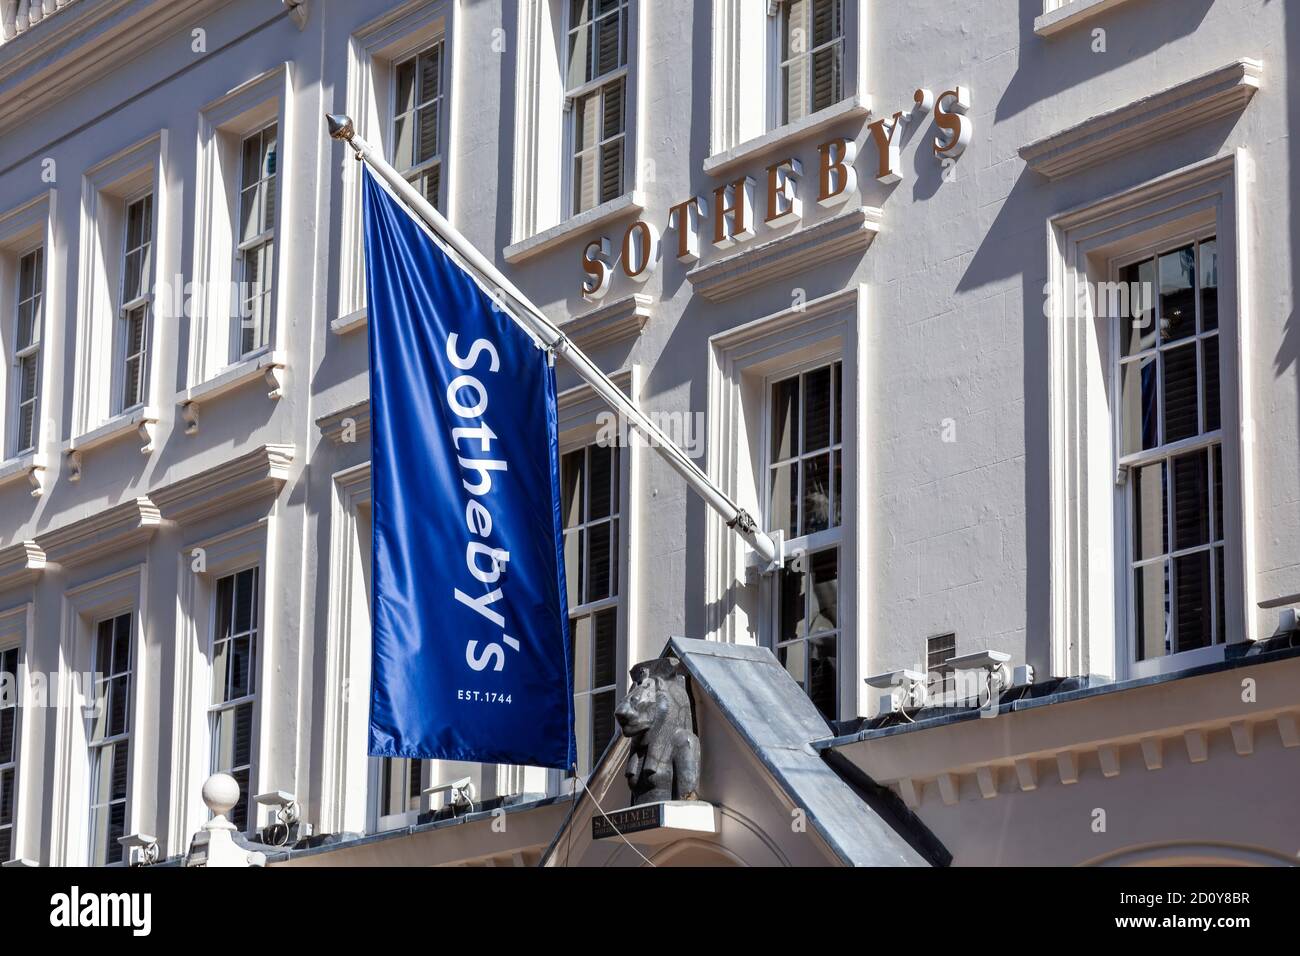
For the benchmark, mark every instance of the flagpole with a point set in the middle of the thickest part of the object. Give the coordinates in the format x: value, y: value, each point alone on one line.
x: 736, y: 517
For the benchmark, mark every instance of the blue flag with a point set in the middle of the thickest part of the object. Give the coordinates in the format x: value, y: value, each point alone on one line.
x: 469, y: 627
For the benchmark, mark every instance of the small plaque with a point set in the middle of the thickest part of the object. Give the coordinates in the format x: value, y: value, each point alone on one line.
x: 631, y: 820
x: 653, y: 824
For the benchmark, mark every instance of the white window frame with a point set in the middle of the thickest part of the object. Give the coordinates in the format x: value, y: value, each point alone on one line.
x: 800, y: 546
x: 615, y: 602
x: 264, y: 336
x: 22, y: 230
x: 346, y: 771
x: 84, y: 606
x: 144, y: 299
x: 743, y: 363
x: 626, y: 12
x: 777, y: 16
x: 106, y: 190
x: 745, y: 58
x: 16, y: 633
x: 215, y: 351
x: 16, y: 447
x: 373, y: 51
x: 542, y: 215
x: 584, y: 418
x: 97, y: 748
x: 1088, y: 609
x: 224, y: 552
x: 442, y: 101
x: 216, y: 710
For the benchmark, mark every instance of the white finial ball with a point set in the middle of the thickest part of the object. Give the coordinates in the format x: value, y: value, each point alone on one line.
x: 220, y: 793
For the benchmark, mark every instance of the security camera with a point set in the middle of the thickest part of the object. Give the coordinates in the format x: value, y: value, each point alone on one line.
x: 286, y: 826
x: 457, y: 793
x: 141, y: 849
x: 904, y: 688
x: 994, y: 663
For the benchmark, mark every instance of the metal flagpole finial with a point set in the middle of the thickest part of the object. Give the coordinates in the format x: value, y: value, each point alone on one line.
x: 340, y: 125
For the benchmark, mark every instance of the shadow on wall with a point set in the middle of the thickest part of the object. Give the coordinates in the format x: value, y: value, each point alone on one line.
x: 1047, y: 68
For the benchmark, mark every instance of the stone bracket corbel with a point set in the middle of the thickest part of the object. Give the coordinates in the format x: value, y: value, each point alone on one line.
x: 297, y: 12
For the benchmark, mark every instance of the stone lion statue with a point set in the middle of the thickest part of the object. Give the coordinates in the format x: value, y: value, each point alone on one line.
x: 656, y: 717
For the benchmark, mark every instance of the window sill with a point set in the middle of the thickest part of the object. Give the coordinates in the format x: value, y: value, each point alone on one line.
x: 853, y: 106
x: 268, y: 366
x: 350, y: 322
x: 1175, y: 664
x: 1071, y: 14
x: 142, y: 420
x: 633, y: 201
x: 30, y: 466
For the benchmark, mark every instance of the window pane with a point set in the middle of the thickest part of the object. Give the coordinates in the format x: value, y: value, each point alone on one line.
x: 783, y: 495
x: 838, y: 404
x: 1191, y: 500
x: 790, y: 604
x: 1151, y: 603
x: 1217, y: 454
x: 827, y: 76
x: 816, y: 494
x: 598, y: 554
x: 404, y: 142
x: 794, y: 79
x: 405, y: 83
x: 823, y: 598
x: 1138, y: 405
x: 827, y: 21
x: 837, y: 484
x: 602, y: 722
x: 579, y: 54
x: 785, y: 419
x: 1209, y: 276
x: 8, y: 719
x: 1177, y: 295
x: 580, y: 635
x: 1210, y: 358
x: 823, y: 681
x: 1180, y: 393
x: 571, y: 469
x: 605, y: 652
x: 245, y: 599
x: 427, y: 147
x: 602, y: 467
x: 1149, y: 507
x: 573, y: 567
x: 791, y: 657
x: 1138, y: 333
x: 1192, y: 591
x: 1220, y: 633
x: 608, y: 43
x: 582, y: 731
x: 817, y: 409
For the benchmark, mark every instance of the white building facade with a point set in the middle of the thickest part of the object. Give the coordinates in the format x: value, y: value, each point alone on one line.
x: 987, y: 308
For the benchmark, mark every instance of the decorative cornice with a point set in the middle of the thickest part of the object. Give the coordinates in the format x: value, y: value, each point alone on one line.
x: 20, y: 563
x: 845, y: 234
x: 1117, y: 133
x: 335, y: 426
x: 259, y: 473
x: 121, y: 526
x: 621, y: 319
x: 51, y: 61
